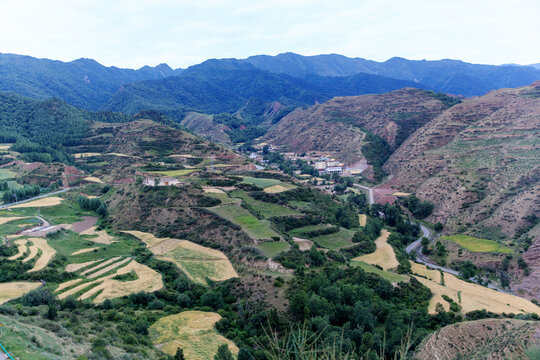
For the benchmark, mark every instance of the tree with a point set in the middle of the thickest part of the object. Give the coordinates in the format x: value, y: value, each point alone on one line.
x: 179, y: 354
x: 439, y: 227
x: 51, y: 312
x: 244, y: 354
x: 223, y: 353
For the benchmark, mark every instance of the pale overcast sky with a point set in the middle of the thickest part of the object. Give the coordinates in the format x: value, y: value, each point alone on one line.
x: 131, y: 33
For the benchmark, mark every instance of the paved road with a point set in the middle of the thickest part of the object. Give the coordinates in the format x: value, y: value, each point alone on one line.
x: 35, y: 198
x: 370, y: 191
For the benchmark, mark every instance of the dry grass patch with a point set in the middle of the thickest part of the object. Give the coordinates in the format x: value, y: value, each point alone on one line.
x: 422, y: 270
x: 276, y: 189
x: 108, y: 268
x: 303, y: 244
x: 84, y: 251
x: 198, y: 262
x: 99, y: 266
x: 33, y: 253
x: 193, y: 331
x: 212, y: 190
x: 45, y: 202
x: 362, y: 218
x: 47, y: 253
x: 102, y: 236
x: 401, y: 194
x: 384, y: 256
x: 77, y: 267
x: 67, y: 284
x: 21, y: 249
x: 474, y: 297
x: 4, y: 220
x: 83, y: 155
x: 93, y: 179
x: 14, y: 290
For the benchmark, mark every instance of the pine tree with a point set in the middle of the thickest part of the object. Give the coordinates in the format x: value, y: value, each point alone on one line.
x: 179, y: 354
x: 223, y: 353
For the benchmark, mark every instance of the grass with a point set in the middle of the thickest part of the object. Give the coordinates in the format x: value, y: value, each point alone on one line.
x: 392, y: 277
x: 253, y: 227
x: 272, y: 248
x: 193, y: 332
x: 14, y: 290
x: 266, y: 183
x: 264, y: 209
x: 475, y: 244
x: 301, y: 230
x: 6, y: 174
x: 335, y: 241
x: 174, y: 173
x: 225, y: 199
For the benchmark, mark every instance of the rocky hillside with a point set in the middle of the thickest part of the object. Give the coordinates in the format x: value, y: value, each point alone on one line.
x: 339, y: 124
x: 491, y: 339
x: 479, y: 163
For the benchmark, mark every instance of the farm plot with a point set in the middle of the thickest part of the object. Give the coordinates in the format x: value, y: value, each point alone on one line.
x: 6, y: 174
x: 390, y: 276
x: 264, y: 209
x: 269, y: 185
x: 199, y: 263
x: 272, y: 248
x: 253, y: 227
x: 474, y: 244
x: 362, y: 218
x: 192, y: 331
x: 47, y: 253
x: 14, y: 290
x: 384, y: 256
x: 4, y: 220
x: 48, y: 201
x: 471, y: 296
x: 105, y: 280
x: 303, y: 244
x: 334, y: 241
x: 21, y: 249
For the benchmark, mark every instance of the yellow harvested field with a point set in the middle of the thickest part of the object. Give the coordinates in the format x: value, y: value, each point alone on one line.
x: 14, y: 290
x: 49, y: 201
x: 192, y: 331
x: 4, y: 220
x: 83, y: 155
x: 362, y: 218
x: 383, y: 256
x: 212, y: 190
x: 99, y: 266
x: 196, y: 261
x: 108, y: 268
x: 474, y: 297
x: 77, y: 267
x: 47, y: 253
x: 33, y: 253
x: 84, y: 251
x: 274, y: 189
x: 422, y: 270
x: 93, y: 179
x: 148, y: 281
x: 21, y: 249
x: 4, y: 147
x: 102, y: 236
x: 67, y: 284
x: 398, y: 193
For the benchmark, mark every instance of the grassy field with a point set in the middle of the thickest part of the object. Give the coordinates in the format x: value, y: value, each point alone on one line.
x: 272, y: 248
x: 392, y: 277
x: 336, y: 240
x: 478, y: 245
x: 193, y: 332
x: 253, y: 227
x: 174, y: 173
x: 383, y: 256
x: 261, y: 182
x: 6, y: 174
x: 264, y: 209
x: 301, y: 230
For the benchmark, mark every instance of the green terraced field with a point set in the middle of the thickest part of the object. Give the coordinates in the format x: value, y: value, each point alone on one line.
x: 475, y: 244
x: 253, y: 227
x: 264, y: 209
x: 272, y: 248
x: 336, y: 240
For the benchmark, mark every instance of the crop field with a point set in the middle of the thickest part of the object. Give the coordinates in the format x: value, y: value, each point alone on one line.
x: 473, y: 296
x: 272, y: 248
x: 93, y: 179
x: 362, y: 218
x: 47, y: 253
x: 253, y: 227
x: 4, y: 147
x: 303, y: 244
x: 4, y: 220
x: 225, y: 199
x: 199, y: 263
x: 95, y: 284
x: 390, y: 276
x: 384, y: 256
x: 173, y: 173
x: 6, y: 174
x: 192, y: 331
x: 335, y: 241
x: 48, y: 201
x: 14, y: 290
x: 478, y: 245
x: 264, y: 209
x: 274, y: 189
x: 21, y: 249
x: 301, y: 230
x: 261, y: 182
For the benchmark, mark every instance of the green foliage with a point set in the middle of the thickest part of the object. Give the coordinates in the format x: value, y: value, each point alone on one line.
x: 179, y: 355
x: 223, y: 353
x: 20, y: 193
x: 376, y: 151
x: 420, y: 209
x: 467, y: 269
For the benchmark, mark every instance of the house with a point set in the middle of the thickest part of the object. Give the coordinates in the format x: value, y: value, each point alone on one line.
x: 162, y: 181
x: 320, y: 165
x: 334, y: 169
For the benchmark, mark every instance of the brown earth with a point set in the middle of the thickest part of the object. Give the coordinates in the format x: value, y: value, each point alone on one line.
x: 337, y: 125
x: 489, y: 339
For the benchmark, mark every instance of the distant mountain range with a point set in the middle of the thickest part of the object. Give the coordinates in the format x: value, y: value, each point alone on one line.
x: 225, y: 85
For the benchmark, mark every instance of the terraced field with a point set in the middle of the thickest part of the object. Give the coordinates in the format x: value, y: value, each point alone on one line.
x: 253, y: 227
x: 264, y: 209
x: 193, y: 332
x: 199, y: 263
x: 475, y: 244
x: 14, y: 290
x: 384, y: 256
x: 269, y: 185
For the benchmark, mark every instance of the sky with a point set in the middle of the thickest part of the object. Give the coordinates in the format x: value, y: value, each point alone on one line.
x: 131, y: 33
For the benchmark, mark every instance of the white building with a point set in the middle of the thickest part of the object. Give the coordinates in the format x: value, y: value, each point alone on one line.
x: 163, y: 181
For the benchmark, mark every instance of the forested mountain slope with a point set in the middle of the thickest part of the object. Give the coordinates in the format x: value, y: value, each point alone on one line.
x: 448, y: 76
x: 83, y: 83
